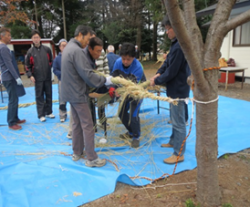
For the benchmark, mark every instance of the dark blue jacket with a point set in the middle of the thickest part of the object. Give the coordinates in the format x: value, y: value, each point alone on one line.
x: 8, y: 70
x: 111, y: 60
x: 174, y: 73
x: 90, y: 58
x: 57, y: 65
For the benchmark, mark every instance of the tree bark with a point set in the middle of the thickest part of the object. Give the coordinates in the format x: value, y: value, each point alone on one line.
x: 64, y: 21
x: 200, y: 56
x: 155, y: 24
x: 138, y: 10
x: 208, y: 193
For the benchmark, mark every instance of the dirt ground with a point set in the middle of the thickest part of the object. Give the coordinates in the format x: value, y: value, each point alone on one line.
x: 234, y: 177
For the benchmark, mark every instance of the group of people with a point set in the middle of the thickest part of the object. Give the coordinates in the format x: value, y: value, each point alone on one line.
x: 75, y: 68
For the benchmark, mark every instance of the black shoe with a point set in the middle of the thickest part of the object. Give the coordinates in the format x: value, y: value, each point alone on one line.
x: 135, y: 143
x: 126, y: 135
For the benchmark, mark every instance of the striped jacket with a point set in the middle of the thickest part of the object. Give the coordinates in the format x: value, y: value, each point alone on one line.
x: 102, y: 63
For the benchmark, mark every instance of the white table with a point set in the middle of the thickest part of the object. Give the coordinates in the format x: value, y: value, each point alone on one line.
x: 234, y: 70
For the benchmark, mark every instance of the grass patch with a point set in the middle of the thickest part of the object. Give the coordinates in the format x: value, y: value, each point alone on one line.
x: 147, y: 65
x: 190, y: 203
x: 227, y: 205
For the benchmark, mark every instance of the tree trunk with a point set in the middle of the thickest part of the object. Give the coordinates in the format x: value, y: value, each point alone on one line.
x: 200, y: 55
x: 139, y: 23
x: 208, y: 193
x: 155, y: 41
x: 64, y: 21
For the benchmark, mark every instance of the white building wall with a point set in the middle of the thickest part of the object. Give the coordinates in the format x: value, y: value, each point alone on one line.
x: 241, y: 54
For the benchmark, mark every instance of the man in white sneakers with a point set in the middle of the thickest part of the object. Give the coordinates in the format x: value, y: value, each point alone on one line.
x: 38, y: 64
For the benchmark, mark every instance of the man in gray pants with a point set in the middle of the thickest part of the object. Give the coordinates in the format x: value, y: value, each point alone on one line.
x: 77, y: 76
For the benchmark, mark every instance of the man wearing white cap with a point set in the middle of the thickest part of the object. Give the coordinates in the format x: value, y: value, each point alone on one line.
x: 57, y: 71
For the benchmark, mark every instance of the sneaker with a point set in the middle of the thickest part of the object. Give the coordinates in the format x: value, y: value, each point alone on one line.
x: 51, y: 116
x: 95, y: 163
x: 15, y: 127
x: 167, y: 145
x: 173, y: 159
x: 21, y: 121
x: 62, y: 120
x: 135, y: 143
x: 126, y: 135
x: 42, y: 119
x: 69, y: 135
x: 76, y: 157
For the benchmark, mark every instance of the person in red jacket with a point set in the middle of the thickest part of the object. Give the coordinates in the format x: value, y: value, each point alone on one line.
x: 38, y: 63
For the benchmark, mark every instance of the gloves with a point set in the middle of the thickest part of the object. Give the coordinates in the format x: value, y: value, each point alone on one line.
x: 108, y: 81
x: 112, y: 92
x: 19, y: 81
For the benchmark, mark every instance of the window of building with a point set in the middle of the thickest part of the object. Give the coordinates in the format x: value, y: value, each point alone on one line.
x: 242, y: 35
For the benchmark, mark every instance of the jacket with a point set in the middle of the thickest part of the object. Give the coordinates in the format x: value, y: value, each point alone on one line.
x: 111, y: 60
x: 134, y: 69
x: 102, y: 63
x: 77, y: 75
x: 57, y: 65
x: 38, y: 63
x: 174, y: 73
x: 8, y: 70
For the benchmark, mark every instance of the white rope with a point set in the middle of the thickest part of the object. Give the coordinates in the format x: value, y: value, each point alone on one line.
x: 207, y: 102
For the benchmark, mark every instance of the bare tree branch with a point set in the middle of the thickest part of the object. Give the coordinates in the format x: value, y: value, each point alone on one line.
x: 192, y: 27
x: 217, y: 29
x: 238, y: 20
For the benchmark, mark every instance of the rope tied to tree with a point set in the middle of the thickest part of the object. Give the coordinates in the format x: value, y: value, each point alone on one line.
x: 206, y: 69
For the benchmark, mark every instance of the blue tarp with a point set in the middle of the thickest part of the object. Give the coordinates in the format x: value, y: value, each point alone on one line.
x: 36, y: 168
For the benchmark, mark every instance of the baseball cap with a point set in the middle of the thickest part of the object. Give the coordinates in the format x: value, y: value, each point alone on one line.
x: 61, y: 40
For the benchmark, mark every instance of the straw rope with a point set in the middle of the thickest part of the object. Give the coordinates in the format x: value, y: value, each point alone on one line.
x: 24, y: 105
x: 127, y: 88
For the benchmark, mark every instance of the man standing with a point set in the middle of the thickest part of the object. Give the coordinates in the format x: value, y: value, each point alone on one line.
x: 103, y: 67
x: 174, y: 73
x: 10, y: 78
x: 57, y: 71
x: 112, y: 57
x: 119, y: 49
x: 77, y: 77
x: 38, y: 66
x: 127, y: 65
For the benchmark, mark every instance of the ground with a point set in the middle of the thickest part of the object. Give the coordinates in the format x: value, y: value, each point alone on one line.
x: 234, y: 177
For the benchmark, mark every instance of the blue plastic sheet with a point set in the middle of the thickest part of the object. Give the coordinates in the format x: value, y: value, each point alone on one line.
x: 36, y: 167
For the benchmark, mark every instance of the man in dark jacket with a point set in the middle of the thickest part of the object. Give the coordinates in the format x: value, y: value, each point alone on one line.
x: 77, y: 77
x: 174, y: 73
x: 57, y: 71
x: 112, y: 57
x: 11, y: 79
x: 38, y: 64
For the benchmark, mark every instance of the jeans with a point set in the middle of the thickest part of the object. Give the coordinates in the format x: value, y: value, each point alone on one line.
x: 186, y: 112
x: 177, y: 115
x: 43, y: 90
x: 129, y: 116
x: 12, y: 115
